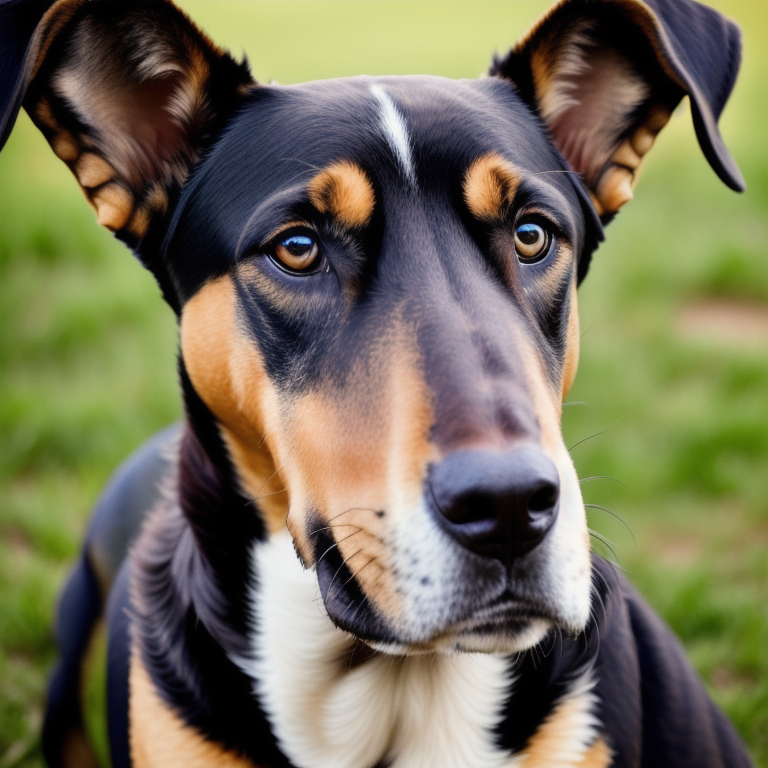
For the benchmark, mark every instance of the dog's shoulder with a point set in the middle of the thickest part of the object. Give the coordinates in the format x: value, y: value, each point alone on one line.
x: 646, y: 685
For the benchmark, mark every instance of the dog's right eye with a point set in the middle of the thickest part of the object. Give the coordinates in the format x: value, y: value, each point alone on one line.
x: 298, y: 253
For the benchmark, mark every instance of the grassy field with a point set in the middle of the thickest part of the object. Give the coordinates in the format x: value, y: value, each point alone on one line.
x: 671, y: 402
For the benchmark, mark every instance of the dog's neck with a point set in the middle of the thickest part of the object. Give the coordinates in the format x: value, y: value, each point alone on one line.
x: 429, y: 711
x: 327, y: 710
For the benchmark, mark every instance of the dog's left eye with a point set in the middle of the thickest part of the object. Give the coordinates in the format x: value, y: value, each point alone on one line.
x: 532, y: 242
x: 297, y: 253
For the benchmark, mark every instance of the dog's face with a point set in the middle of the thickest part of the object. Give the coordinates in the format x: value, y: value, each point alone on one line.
x: 388, y: 336
x: 376, y: 287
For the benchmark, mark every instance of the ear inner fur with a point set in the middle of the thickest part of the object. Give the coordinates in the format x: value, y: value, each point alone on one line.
x: 131, y: 128
x: 605, y: 101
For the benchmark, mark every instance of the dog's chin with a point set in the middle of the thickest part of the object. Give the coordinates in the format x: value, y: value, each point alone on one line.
x: 517, y: 637
x: 506, y: 628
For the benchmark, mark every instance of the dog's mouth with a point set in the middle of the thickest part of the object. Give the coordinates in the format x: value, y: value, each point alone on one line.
x: 479, y: 559
x: 498, y: 619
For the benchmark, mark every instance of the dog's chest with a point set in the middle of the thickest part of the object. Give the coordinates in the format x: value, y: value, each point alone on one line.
x: 430, y: 711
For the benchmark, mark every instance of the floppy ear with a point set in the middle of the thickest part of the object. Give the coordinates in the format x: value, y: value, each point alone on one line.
x: 605, y: 75
x: 18, y: 19
x: 128, y: 93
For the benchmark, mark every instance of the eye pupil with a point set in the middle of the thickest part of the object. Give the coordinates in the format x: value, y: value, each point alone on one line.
x: 297, y: 253
x: 529, y: 234
x: 531, y: 242
x: 298, y: 244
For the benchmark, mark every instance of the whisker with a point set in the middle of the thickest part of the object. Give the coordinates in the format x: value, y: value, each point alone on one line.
x: 270, y: 495
x: 359, y: 608
x: 356, y: 573
x: 609, y: 544
x: 597, y: 434
x: 334, y: 527
x: 336, y: 544
x: 338, y: 571
x: 600, y: 477
x: 311, y: 166
x: 590, y: 326
x: 603, y: 540
x: 558, y: 170
x: 613, y: 514
x: 351, y: 509
x: 269, y: 478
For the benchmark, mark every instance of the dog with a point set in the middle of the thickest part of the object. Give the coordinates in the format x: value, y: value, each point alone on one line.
x: 366, y: 545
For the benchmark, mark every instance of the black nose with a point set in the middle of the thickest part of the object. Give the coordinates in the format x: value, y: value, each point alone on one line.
x: 497, y: 504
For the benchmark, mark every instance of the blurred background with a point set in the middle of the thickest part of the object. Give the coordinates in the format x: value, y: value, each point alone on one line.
x: 668, y: 420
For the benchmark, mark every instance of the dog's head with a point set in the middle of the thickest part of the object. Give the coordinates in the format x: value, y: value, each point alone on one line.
x: 376, y: 282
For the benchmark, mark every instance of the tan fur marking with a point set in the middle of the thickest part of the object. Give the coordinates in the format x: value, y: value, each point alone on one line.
x: 563, y: 726
x: 160, y: 739
x: 550, y: 283
x: 490, y: 185
x: 156, y: 199
x: 572, y: 345
x: 642, y: 140
x: 93, y: 171
x: 44, y: 114
x: 65, y: 147
x: 614, y: 189
x: 114, y: 206
x: 259, y: 478
x: 228, y: 374
x: 657, y: 118
x: 598, y: 756
x: 625, y: 155
x: 139, y: 223
x: 343, y: 191
x: 615, y: 186
x: 378, y: 431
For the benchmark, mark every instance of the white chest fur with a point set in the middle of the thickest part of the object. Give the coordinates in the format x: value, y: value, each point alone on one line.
x: 419, y: 711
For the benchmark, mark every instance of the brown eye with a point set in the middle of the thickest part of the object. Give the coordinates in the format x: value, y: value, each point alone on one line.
x: 532, y: 242
x: 297, y: 253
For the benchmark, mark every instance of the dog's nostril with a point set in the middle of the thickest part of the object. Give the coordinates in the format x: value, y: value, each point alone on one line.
x: 472, y: 508
x: 498, y: 504
x: 543, y: 499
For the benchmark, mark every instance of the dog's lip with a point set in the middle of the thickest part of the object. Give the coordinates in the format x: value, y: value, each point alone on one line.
x: 499, y: 628
x: 505, y: 614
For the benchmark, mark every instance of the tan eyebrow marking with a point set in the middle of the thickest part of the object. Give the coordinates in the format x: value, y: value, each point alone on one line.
x: 490, y: 184
x: 343, y: 191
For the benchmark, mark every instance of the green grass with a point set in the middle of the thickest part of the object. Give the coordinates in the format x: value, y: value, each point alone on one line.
x: 677, y: 418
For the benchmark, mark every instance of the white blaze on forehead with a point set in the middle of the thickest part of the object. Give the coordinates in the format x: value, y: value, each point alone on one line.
x: 395, y: 131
